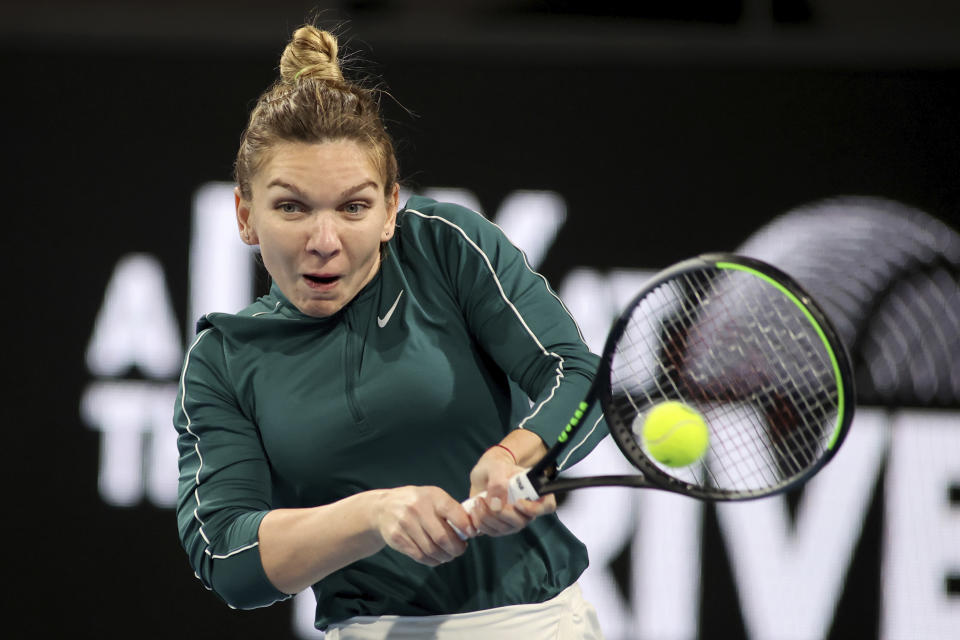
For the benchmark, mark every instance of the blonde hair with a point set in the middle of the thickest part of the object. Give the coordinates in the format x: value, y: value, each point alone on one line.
x: 312, y: 102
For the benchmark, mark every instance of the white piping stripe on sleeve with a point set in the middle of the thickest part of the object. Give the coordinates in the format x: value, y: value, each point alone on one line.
x: 493, y: 272
x: 510, y: 304
x: 232, y: 553
x: 523, y: 254
x: 576, y: 326
x: 196, y: 448
x: 579, y: 334
x: 196, y: 444
x: 583, y: 441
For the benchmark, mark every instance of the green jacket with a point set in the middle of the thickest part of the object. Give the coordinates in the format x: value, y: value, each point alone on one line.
x: 407, y: 385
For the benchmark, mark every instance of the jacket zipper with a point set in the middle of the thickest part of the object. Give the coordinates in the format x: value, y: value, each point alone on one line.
x: 351, y: 350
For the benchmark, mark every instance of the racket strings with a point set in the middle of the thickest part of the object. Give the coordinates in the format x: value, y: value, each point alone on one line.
x: 740, y: 446
x: 735, y: 347
x: 778, y: 328
x: 772, y: 329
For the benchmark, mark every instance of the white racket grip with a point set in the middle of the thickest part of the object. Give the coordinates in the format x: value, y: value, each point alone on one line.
x: 519, y: 488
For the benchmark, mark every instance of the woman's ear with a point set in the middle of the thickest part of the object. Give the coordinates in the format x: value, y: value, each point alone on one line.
x: 244, y: 222
x: 393, y: 204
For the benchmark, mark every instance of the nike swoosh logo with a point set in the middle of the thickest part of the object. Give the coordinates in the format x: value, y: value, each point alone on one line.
x: 382, y: 322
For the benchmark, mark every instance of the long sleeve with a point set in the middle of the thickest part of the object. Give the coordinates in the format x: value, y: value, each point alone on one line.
x: 224, y: 487
x: 520, y: 322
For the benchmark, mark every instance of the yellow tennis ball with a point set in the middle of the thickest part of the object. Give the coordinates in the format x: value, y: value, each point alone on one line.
x: 675, y: 434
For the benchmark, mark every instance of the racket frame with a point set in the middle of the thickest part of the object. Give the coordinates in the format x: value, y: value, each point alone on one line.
x: 542, y: 476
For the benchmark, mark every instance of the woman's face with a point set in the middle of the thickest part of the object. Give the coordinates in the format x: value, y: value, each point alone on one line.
x: 319, y: 214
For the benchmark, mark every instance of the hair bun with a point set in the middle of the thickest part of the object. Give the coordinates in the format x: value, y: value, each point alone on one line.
x: 312, y: 53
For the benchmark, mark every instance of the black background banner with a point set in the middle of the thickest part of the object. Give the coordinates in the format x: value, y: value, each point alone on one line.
x: 664, y: 135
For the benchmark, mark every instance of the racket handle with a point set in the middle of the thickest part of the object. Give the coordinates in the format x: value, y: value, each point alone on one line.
x: 519, y: 488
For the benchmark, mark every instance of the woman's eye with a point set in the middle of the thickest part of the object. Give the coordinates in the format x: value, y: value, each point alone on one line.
x: 355, y: 208
x: 288, y: 207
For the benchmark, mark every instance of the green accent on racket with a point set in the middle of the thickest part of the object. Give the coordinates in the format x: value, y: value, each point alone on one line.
x: 816, y: 327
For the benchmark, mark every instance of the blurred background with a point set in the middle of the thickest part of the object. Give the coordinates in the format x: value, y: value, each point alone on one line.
x: 610, y: 139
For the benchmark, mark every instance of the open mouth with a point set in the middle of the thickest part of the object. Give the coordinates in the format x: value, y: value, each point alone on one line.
x: 321, y: 280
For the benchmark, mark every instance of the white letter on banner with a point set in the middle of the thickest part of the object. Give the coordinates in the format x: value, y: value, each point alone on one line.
x: 135, y: 324
x: 221, y: 266
x: 790, y: 581
x: 532, y: 219
x: 662, y: 530
x: 616, y: 509
x: 922, y: 541
x: 666, y: 566
x: 133, y: 415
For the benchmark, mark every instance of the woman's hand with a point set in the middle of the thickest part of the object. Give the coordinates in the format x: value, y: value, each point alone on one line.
x: 299, y: 547
x: 493, y: 514
x: 416, y: 522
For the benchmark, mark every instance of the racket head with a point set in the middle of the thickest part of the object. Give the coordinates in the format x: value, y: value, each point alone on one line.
x: 742, y: 343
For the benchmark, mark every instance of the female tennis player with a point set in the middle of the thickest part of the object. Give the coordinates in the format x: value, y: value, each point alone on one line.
x: 402, y: 360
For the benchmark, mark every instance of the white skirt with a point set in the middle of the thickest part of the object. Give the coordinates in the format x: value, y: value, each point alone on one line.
x: 565, y: 617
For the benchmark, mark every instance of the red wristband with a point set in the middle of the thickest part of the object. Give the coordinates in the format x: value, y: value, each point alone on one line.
x: 507, y: 450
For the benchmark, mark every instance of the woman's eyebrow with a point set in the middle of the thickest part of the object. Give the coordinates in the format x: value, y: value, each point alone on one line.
x: 346, y: 193
x: 277, y: 182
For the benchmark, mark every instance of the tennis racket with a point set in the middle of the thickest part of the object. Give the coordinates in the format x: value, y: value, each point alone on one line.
x: 741, y: 343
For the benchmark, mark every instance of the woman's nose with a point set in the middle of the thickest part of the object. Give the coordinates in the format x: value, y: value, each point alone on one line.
x: 324, y: 237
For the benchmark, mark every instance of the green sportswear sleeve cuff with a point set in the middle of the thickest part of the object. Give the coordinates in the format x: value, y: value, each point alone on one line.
x: 239, y: 577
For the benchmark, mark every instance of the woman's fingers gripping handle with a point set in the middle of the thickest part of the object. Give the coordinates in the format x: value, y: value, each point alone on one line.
x: 519, y: 488
x: 411, y: 520
x: 467, y: 506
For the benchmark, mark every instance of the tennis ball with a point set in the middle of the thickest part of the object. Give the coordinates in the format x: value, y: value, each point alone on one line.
x: 675, y: 434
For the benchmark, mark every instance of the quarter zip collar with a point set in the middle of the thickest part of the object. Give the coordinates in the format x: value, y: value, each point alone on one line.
x: 289, y: 310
